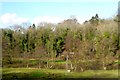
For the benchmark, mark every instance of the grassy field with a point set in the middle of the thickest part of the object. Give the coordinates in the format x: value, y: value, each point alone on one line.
x: 56, y: 73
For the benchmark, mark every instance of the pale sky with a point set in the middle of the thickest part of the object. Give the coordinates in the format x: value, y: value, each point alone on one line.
x: 52, y: 11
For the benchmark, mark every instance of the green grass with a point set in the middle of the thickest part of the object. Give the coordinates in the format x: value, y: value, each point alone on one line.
x: 35, y: 61
x: 117, y: 61
x: 56, y: 73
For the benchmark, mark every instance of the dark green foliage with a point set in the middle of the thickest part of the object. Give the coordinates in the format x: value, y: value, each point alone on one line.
x: 58, y: 45
x: 94, y: 20
x: 45, y: 38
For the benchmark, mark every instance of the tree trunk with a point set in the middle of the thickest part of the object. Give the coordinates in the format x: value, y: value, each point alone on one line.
x: 104, y: 67
x: 39, y: 63
x: 67, y: 62
x: 48, y: 61
x: 52, y: 59
x: 81, y: 69
x: 28, y: 60
x: 27, y: 65
x: 71, y: 66
x: 24, y: 60
x: 47, y: 64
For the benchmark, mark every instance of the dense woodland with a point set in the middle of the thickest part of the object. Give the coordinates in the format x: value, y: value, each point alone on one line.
x: 67, y: 45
